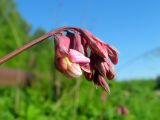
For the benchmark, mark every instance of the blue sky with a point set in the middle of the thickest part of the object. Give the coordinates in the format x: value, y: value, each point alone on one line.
x: 133, y: 27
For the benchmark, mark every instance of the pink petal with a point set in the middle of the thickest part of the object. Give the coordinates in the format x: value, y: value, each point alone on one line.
x: 77, y: 57
x: 61, y: 64
x: 95, y: 78
x: 96, y: 44
x: 103, y: 83
x: 60, y: 53
x: 113, y: 54
x: 92, y: 36
x: 97, y: 39
x: 62, y: 42
x: 86, y: 50
x: 86, y: 68
x: 75, y: 41
x: 89, y: 76
x: 110, y: 75
x: 101, y: 68
x: 111, y: 71
x: 74, y: 70
x: 79, y: 46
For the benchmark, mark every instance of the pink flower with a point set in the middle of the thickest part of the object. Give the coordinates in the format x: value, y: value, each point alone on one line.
x: 78, y: 50
x: 68, y: 61
x: 76, y: 41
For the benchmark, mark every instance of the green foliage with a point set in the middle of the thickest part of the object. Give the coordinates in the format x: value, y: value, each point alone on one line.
x: 81, y: 102
x: 158, y: 83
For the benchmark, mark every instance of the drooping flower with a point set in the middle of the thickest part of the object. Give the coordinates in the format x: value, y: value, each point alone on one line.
x: 79, y: 50
x: 68, y: 61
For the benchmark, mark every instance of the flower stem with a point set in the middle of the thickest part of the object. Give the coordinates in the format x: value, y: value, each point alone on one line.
x: 29, y: 45
x: 36, y: 41
x: 23, y: 48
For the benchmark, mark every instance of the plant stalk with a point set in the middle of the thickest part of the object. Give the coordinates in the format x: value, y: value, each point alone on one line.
x: 36, y: 41
x: 29, y: 45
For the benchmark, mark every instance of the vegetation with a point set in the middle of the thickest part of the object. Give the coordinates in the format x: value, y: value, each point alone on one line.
x: 81, y: 101
x: 53, y: 96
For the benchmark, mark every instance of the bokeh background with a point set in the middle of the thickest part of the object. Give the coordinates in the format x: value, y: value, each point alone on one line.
x: 32, y: 89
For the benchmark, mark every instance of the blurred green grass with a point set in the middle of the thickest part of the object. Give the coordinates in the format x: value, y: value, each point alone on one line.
x: 81, y: 101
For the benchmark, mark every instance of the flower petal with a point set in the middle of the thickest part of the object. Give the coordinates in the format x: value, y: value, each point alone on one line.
x: 77, y: 57
x: 61, y: 64
x: 75, y: 41
x: 96, y: 44
x: 89, y: 76
x: 74, y: 70
x: 113, y: 54
x: 101, y: 68
x: 62, y: 42
x: 71, y: 37
x: 103, y: 83
x: 79, y: 46
x: 98, y: 48
x: 86, y: 68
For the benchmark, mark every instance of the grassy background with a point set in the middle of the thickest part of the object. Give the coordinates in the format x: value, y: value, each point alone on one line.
x: 81, y: 101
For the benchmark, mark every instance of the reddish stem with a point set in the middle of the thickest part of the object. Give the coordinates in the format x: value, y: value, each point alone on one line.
x: 28, y: 45
x: 36, y: 41
x: 23, y: 48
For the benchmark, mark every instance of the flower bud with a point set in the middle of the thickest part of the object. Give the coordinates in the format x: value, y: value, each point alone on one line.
x: 89, y: 76
x: 111, y: 71
x: 110, y: 75
x: 113, y: 54
x: 101, y: 68
x: 103, y: 83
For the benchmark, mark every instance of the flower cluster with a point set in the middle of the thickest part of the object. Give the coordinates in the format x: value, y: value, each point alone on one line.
x: 78, y: 50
